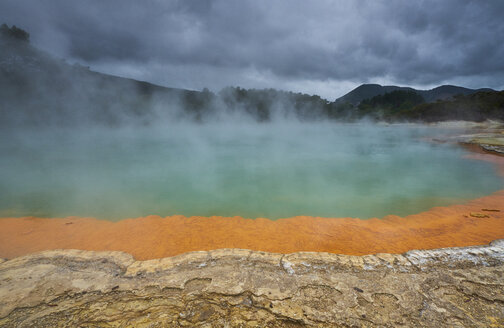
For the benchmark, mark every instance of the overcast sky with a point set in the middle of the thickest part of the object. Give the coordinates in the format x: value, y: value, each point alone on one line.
x: 317, y: 47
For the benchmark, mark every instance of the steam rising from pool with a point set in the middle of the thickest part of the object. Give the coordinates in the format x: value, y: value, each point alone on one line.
x: 271, y: 170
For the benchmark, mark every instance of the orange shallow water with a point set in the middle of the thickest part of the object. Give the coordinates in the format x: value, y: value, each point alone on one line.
x: 476, y: 222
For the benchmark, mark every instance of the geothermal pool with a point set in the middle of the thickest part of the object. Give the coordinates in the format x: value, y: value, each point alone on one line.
x: 236, y: 169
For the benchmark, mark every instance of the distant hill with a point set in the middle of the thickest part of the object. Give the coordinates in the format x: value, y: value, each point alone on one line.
x: 477, y: 107
x: 37, y: 89
x: 410, y: 106
x: 445, y: 92
x: 367, y: 91
x: 385, y: 107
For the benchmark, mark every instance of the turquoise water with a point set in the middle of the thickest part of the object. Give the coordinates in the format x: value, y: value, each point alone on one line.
x: 251, y: 170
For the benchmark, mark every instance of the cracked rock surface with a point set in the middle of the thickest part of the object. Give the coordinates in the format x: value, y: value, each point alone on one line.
x: 453, y: 287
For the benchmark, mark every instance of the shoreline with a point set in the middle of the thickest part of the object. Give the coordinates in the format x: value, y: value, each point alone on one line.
x: 478, y: 221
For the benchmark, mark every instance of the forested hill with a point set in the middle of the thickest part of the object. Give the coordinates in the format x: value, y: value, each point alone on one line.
x: 478, y: 106
x: 409, y: 106
x: 38, y: 89
x: 367, y: 91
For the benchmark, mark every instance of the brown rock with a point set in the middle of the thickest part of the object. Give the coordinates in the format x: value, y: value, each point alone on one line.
x: 479, y: 215
x: 490, y: 210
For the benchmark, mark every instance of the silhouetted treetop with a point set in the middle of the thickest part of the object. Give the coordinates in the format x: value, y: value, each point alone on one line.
x: 14, y: 32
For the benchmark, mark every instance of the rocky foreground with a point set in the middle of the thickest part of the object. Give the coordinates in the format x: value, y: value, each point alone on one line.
x: 452, y: 287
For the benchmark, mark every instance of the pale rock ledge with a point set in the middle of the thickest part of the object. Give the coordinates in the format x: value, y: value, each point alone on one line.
x: 452, y: 287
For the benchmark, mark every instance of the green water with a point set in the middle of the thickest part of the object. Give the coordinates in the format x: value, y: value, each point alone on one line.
x: 250, y: 170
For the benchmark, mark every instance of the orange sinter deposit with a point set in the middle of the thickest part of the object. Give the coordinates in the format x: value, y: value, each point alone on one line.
x: 476, y: 222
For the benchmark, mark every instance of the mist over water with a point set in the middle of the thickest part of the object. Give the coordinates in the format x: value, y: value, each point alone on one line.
x: 272, y: 170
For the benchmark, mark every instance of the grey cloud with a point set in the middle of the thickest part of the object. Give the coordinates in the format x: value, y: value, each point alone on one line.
x: 418, y: 43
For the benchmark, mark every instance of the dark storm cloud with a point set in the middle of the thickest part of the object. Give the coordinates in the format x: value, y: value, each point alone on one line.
x: 315, y: 46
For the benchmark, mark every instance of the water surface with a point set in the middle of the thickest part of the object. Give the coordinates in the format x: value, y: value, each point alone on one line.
x: 236, y: 169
